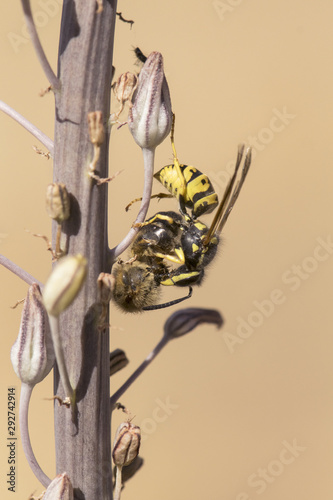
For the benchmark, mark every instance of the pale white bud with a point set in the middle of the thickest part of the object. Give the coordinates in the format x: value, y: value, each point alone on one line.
x: 64, y: 283
x: 150, y: 116
x: 59, y: 489
x: 32, y: 354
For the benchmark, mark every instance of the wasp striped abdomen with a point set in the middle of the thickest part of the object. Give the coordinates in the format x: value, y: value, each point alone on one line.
x: 193, y: 190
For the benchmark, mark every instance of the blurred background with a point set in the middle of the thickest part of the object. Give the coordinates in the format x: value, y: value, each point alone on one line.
x: 246, y: 410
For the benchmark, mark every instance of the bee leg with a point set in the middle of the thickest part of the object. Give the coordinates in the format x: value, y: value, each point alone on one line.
x: 168, y: 304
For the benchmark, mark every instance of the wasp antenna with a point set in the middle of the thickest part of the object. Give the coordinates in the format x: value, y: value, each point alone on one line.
x: 168, y: 304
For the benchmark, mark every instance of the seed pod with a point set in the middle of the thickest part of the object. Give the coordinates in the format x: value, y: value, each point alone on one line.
x: 126, y: 444
x: 96, y: 127
x: 150, y: 116
x: 32, y: 354
x: 118, y: 361
x: 57, y: 202
x: 64, y: 283
x: 125, y: 86
x: 59, y: 489
x: 185, y: 320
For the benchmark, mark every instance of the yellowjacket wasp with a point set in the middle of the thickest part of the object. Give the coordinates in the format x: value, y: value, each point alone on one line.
x: 178, y: 239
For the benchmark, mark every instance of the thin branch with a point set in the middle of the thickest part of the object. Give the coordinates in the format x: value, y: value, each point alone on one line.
x: 148, y: 159
x: 46, y: 141
x: 49, y: 73
x: 25, y: 396
x: 21, y: 273
x: 162, y: 343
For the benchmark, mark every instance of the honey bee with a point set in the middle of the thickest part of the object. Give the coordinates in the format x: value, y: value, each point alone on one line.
x: 137, y: 281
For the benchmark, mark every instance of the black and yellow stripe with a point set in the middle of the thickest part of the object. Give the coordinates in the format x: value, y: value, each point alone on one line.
x: 198, y: 193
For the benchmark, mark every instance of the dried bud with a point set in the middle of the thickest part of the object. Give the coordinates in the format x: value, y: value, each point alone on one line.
x: 126, y: 444
x: 185, y: 320
x: 59, y: 489
x: 57, y: 202
x: 105, y: 283
x: 150, y: 116
x: 32, y: 354
x: 125, y: 86
x: 118, y: 361
x: 96, y: 127
x: 64, y: 283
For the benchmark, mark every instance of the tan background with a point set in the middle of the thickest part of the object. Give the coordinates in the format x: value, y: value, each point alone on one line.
x: 231, y: 67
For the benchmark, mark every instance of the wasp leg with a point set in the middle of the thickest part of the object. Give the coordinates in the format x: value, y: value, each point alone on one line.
x: 179, y: 258
x: 158, y: 195
x: 158, y: 217
x: 182, y: 182
x: 183, y: 277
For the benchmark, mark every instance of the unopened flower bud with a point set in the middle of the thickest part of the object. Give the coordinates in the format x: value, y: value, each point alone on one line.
x: 105, y: 283
x: 125, y: 86
x: 96, y: 127
x: 59, y: 489
x: 118, y: 361
x: 185, y: 320
x: 126, y: 444
x: 64, y: 283
x: 57, y: 202
x: 150, y: 116
x: 32, y: 354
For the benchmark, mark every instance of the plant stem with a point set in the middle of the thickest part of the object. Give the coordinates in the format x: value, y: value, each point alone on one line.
x: 46, y: 141
x: 25, y: 396
x: 21, y: 273
x: 117, y: 490
x: 54, y: 81
x: 148, y: 160
x: 83, y: 440
x: 151, y: 356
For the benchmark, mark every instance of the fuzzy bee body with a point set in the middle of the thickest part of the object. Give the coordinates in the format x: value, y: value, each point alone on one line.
x: 166, y: 239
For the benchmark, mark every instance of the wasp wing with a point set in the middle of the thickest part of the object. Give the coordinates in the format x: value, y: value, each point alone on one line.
x: 230, y: 195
